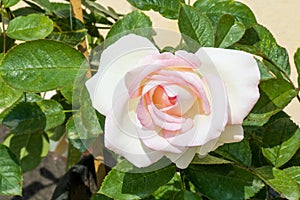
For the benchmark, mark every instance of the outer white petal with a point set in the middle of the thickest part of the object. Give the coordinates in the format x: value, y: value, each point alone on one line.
x: 121, y: 134
x: 183, y: 160
x: 241, y: 75
x: 115, y: 62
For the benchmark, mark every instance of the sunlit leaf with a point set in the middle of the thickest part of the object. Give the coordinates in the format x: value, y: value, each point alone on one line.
x: 9, y: 3
x: 41, y: 65
x: 8, y: 95
x: 195, y: 26
x: 280, y: 182
x: 30, y: 27
x: 221, y: 182
x: 297, y: 63
x: 10, y: 173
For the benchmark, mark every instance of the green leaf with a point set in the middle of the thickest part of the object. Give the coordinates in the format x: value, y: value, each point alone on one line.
x: 187, y: 195
x: 275, y: 94
x: 30, y: 27
x: 281, y: 140
x: 71, y: 32
x: 28, y: 148
x: 293, y: 172
x: 8, y: 95
x: 9, y: 3
x: 209, y: 160
x: 100, y: 10
x: 228, y: 31
x: 10, y: 173
x: 135, y: 22
x: 238, y: 152
x: 280, y: 182
x: 259, y: 41
x: 53, y: 112
x: 214, y: 9
x: 74, y: 137
x: 223, y: 181
x: 25, y: 118
x: 41, y: 65
x: 169, y: 190
x: 167, y: 8
x: 297, y: 63
x: 195, y: 27
x: 124, y: 183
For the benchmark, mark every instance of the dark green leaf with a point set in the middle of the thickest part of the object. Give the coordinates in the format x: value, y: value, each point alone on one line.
x: 8, y: 95
x: 10, y: 173
x: 297, y: 63
x: 238, y: 152
x: 167, y: 8
x: 25, y: 118
x: 169, y: 190
x: 28, y: 148
x: 280, y: 181
x: 71, y: 32
x: 53, y: 112
x: 9, y: 3
x: 275, y: 94
x: 41, y: 65
x: 195, y: 27
x: 259, y: 41
x: 214, y: 9
x: 135, y: 22
x: 281, y: 139
x: 187, y: 195
x: 100, y: 197
x: 30, y: 27
x: 209, y: 160
x: 221, y: 182
x: 265, y: 72
x: 228, y: 31
x: 9, y: 43
x: 124, y: 183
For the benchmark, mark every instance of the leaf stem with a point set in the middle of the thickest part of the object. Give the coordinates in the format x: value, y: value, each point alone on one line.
x: 3, y: 28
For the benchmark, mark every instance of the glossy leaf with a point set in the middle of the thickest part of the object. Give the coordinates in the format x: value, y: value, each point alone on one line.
x: 281, y: 139
x: 214, y: 9
x: 221, y: 182
x: 123, y: 183
x: 275, y: 94
x: 9, y: 3
x: 53, y: 112
x: 239, y: 152
x: 280, y: 182
x: 169, y: 190
x: 195, y: 27
x: 297, y: 63
x: 25, y: 118
x: 41, y: 65
x: 167, y: 8
x: 30, y: 27
x: 10, y: 173
x: 28, y: 148
x: 8, y: 95
x: 228, y: 31
x: 135, y: 22
x: 259, y: 41
x: 294, y: 173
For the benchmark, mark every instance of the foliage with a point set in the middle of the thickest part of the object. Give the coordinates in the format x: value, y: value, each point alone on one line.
x: 40, y: 54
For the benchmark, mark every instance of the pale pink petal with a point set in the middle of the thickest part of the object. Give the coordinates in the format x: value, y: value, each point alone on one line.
x: 121, y: 131
x: 118, y: 59
x: 206, y: 127
x: 241, y: 75
x: 232, y: 133
x: 183, y: 160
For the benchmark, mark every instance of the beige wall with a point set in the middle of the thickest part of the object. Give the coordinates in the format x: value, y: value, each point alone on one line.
x: 281, y: 17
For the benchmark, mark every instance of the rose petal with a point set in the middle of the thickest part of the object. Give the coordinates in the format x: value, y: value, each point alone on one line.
x: 241, y: 75
x: 183, y: 160
x: 115, y: 62
x: 206, y: 127
x: 121, y: 134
